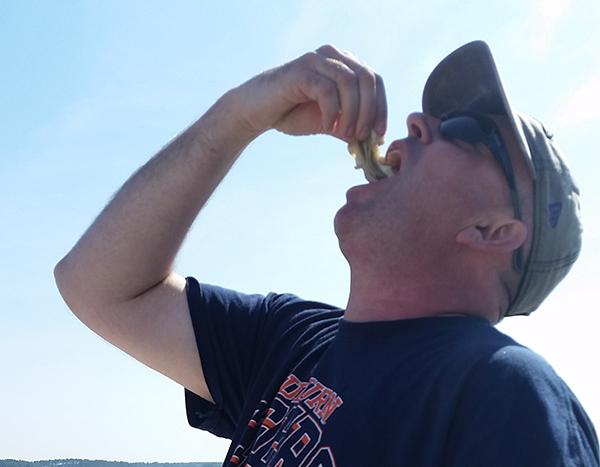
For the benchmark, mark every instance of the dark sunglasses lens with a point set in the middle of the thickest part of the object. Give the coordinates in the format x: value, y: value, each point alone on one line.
x: 464, y: 128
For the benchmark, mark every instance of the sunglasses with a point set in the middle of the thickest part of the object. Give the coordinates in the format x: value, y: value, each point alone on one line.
x: 473, y: 128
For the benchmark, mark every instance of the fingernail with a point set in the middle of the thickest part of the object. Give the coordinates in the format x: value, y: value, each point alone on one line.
x: 380, y: 128
x: 350, y: 131
x: 364, y: 134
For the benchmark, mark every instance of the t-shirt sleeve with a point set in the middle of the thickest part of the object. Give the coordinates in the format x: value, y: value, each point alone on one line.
x: 242, y: 341
x: 515, y: 411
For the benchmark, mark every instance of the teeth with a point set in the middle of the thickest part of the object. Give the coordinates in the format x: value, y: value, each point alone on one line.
x: 392, y: 158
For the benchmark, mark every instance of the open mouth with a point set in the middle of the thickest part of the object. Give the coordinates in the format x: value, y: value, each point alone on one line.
x: 393, y: 159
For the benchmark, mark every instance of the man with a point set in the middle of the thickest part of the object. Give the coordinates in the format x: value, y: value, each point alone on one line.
x: 479, y: 220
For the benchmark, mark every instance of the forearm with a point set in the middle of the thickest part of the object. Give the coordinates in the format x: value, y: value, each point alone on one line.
x: 132, y: 244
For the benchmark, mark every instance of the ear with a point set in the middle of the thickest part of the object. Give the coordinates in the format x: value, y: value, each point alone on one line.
x: 497, y: 236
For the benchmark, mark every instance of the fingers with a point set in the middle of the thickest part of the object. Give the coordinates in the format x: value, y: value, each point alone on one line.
x: 326, y: 91
x: 347, y: 89
x: 381, y: 115
x: 323, y: 90
x: 361, y: 93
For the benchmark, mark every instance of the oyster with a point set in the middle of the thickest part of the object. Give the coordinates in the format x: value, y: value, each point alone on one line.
x: 366, y: 156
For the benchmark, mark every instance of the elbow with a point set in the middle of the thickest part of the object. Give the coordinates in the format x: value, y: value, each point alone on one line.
x: 78, y: 290
x: 59, y: 276
x: 65, y: 284
x: 74, y: 297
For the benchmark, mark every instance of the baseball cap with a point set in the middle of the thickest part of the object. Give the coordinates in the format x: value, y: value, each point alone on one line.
x: 468, y: 79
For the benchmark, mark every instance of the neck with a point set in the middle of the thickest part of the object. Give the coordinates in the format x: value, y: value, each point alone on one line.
x: 374, y: 298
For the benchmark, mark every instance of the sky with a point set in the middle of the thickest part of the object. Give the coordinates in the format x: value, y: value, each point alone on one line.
x: 90, y: 90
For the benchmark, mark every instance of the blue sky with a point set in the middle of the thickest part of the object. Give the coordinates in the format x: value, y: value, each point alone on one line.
x: 90, y: 90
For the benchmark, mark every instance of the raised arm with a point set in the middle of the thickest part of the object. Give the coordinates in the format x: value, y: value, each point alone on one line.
x: 118, y: 278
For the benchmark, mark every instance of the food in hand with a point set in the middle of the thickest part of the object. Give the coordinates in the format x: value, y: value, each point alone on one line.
x: 366, y: 156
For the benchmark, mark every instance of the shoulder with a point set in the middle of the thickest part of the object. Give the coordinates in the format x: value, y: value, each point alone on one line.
x: 515, y: 361
x: 209, y: 295
x: 513, y: 396
x: 486, y: 354
x: 209, y: 292
x: 274, y: 314
x: 514, y: 375
x: 517, y: 370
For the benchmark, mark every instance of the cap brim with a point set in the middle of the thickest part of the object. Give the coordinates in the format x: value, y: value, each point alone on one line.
x: 468, y: 79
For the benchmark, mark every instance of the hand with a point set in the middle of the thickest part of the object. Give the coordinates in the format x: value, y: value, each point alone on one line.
x: 327, y: 91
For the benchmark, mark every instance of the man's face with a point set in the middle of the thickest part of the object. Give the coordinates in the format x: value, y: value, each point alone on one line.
x: 412, y: 218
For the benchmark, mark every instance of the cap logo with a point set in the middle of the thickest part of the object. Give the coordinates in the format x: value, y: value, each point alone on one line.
x: 554, y: 210
x: 547, y: 132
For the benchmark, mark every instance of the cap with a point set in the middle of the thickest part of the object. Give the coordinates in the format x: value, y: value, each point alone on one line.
x: 468, y: 79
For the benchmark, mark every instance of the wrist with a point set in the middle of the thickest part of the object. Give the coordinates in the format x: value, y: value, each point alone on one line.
x: 221, y: 130
x: 233, y: 104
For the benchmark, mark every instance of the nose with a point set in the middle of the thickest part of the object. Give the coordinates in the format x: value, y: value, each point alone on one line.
x: 418, y: 127
x: 421, y: 128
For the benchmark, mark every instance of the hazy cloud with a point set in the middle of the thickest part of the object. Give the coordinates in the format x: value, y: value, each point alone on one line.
x: 582, y: 105
x: 545, y: 20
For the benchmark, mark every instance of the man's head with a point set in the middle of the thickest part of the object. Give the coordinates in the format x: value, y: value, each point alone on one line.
x: 468, y: 80
x: 444, y: 224
x: 485, y: 198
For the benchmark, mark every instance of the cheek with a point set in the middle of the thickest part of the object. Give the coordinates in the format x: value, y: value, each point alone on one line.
x: 437, y: 207
x: 437, y: 190
x: 455, y: 183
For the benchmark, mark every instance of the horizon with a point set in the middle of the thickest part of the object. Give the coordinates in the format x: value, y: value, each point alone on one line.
x: 60, y: 461
x: 101, y: 460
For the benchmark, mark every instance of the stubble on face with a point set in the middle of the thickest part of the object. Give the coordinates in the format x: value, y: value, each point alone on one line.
x: 413, y: 217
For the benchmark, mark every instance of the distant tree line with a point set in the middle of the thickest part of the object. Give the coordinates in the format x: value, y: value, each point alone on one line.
x: 101, y: 463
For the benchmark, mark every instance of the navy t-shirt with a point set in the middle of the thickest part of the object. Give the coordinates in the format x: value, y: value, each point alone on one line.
x: 295, y: 384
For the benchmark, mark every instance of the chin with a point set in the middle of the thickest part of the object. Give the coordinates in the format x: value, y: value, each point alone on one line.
x: 349, y: 230
x: 342, y: 222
